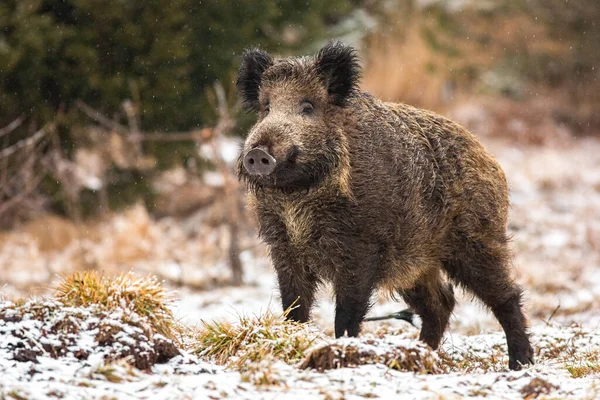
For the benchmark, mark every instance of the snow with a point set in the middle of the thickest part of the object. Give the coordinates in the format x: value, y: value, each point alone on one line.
x: 555, y: 223
x: 188, y: 376
x: 228, y: 148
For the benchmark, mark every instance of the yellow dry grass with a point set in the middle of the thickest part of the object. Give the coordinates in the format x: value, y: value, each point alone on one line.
x: 585, y: 364
x: 143, y: 295
x: 430, y: 60
x: 118, y: 371
x: 400, y: 70
x: 471, y: 362
x: 418, y: 358
x: 49, y: 232
x: 252, y: 339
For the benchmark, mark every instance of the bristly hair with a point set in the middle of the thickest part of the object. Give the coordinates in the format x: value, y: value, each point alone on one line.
x: 338, y: 66
x: 254, y: 63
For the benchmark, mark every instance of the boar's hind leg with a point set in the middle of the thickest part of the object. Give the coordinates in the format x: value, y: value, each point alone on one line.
x: 483, y: 269
x: 297, y: 288
x: 433, y: 300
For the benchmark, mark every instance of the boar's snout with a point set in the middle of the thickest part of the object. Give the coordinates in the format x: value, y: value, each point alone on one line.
x: 258, y: 161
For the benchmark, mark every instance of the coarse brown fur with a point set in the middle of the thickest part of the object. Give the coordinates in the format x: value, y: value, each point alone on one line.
x: 368, y: 195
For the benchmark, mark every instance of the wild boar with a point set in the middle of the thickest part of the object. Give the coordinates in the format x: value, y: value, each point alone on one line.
x: 369, y: 195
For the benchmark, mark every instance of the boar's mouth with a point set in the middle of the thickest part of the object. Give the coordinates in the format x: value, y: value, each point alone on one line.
x: 290, y: 175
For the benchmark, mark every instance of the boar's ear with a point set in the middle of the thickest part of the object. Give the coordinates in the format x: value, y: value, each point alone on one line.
x: 339, y: 68
x: 254, y: 63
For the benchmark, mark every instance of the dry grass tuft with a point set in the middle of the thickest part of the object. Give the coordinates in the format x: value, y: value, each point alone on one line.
x: 142, y: 295
x: 118, y: 371
x: 416, y: 357
x: 469, y: 361
x: 254, y: 339
x: 587, y: 364
x: 263, y: 373
x: 537, y: 387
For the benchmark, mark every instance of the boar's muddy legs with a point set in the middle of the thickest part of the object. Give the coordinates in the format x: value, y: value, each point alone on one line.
x: 483, y: 268
x: 433, y: 300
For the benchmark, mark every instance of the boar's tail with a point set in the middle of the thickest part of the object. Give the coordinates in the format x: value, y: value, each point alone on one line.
x: 405, y: 315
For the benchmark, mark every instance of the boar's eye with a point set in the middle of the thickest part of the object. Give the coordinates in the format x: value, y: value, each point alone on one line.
x: 307, y: 108
x: 267, y: 107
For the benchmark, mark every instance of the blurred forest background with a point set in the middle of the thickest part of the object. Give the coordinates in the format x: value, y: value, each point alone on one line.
x: 119, y: 121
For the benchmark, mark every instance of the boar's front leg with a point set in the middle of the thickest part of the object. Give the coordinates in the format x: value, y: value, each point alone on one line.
x: 352, y: 303
x: 297, y: 287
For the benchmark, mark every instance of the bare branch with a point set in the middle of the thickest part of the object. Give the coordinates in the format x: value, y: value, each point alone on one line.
x: 31, y: 185
x: 7, y: 152
x: 11, y: 173
x: 24, y: 179
x: 12, y: 126
x: 221, y: 100
x: 232, y: 199
x: 225, y: 123
x: 197, y: 135
x: 134, y: 128
x: 101, y: 119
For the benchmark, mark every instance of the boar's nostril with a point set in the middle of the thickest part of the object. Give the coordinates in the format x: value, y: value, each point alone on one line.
x: 258, y: 161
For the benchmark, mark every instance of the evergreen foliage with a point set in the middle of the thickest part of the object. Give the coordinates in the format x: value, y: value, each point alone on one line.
x: 162, y: 54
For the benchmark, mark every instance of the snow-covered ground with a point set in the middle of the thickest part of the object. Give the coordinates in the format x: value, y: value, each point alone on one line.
x: 555, y: 223
x: 187, y: 376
